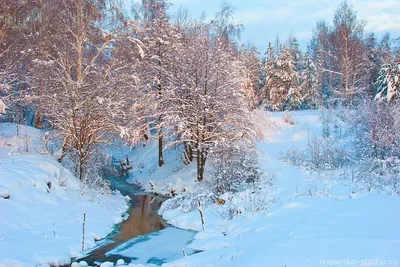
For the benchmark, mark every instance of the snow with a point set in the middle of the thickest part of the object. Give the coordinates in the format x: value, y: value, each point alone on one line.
x: 296, y: 229
x: 41, y: 221
x: 3, y: 107
x: 4, y: 192
x: 155, y: 248
x: 173, y: 175
x: 303, y: 219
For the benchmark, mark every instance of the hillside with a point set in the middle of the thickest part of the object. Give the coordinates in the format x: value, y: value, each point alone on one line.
x: 42, y: 204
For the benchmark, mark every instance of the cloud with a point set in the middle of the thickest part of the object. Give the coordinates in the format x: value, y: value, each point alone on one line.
x: 283, y: 12
x: 250, y: 16
x: 383, y: 23
x: 265, y: 19
x: 303, y: 36
x: 380, y: 15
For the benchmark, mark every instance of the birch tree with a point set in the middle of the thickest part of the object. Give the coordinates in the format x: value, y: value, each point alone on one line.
x: 86, y: 93
x: 208, y: 105
x: 10, y: 14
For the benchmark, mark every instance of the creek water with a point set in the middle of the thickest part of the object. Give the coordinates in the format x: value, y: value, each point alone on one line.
x: 128, y: 239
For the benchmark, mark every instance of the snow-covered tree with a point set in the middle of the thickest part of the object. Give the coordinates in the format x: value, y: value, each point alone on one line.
x: 10, y: 15
x: 389, y: 81
x: 250, y: 69
x: 284, y: 84
x: 159, y: 39
x: 269, y: 69
x: 208, y: 104
x: 89, y: 78
x: 349, y: 60
x: 294, y: 45
x: 310, y: 83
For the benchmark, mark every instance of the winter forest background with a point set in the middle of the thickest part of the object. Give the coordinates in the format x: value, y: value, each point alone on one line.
x: 92, y: 71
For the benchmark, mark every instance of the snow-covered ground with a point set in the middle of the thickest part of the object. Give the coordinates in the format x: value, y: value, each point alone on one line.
x: 302, y: 220
x: 173, y: 175
x: 331, y: 228
x: 42, y: 204
x: 156, y: 248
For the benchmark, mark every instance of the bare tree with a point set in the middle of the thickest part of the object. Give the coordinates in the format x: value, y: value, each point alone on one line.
x: 208, y: 104
x: 9, y: 14
x: 89, y: 78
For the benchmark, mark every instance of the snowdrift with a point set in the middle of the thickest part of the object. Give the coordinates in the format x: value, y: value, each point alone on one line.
x: 42, y: 204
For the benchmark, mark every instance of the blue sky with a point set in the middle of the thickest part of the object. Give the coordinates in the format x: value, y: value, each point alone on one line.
x: 265, y: 19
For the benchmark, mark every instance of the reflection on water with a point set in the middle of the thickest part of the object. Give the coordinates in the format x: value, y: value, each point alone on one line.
x: 142, y: 219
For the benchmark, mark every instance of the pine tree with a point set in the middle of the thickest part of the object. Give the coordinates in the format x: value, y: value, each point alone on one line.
x: 269, y: 69
x: 310, y: 85
x: 389, y: 81
x: 250, y: 69
x: 284, y: 84
x: 293, y: 45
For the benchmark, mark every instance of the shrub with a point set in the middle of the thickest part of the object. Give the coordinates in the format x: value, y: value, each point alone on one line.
x: 232, y: 168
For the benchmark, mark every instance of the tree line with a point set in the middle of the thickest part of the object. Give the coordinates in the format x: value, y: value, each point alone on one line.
x: 90, y: 70
x: 342, y: 65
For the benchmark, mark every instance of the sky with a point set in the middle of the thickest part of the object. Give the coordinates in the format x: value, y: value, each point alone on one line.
x: 264, y: 20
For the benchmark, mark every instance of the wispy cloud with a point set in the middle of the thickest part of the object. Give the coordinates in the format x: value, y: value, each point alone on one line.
x: 250, y: 16
x: 265, y: 19
x: 380, y: 15
x: 304, y: 36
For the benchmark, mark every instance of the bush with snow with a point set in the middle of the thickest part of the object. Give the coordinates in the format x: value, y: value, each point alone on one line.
x: 378, y: 174
x: 256, y: 198
x: 364, y: 139
x: 188, y: 201
x: 321, y: 154
x: 233, y: 168
x: 4, y: 192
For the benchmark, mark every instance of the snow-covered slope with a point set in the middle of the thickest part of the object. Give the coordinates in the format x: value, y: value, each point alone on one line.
x: 173, y: 175
x: 41, y: 218
x: 334, y: 228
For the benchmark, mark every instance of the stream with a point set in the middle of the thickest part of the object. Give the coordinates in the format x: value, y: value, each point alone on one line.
x: 143, y: 238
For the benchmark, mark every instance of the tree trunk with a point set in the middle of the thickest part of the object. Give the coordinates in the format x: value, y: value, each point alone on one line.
x: 38, y: 119
x: 188, y: 152
x: 160, y: 146
x: 199, y: 170
x: 160, y: 130
x: 81, y: 164
x: 201, y: 162
x: 64, y: 149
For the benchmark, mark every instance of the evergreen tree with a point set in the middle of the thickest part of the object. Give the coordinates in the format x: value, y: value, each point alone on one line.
x: 311, y: 85
x: 269, y: 69
x: 389, y: 81
x: 284, y: 83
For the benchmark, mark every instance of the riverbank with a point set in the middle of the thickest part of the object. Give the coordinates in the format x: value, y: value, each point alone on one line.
x: 143, y: 238
x: 42, y: 214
